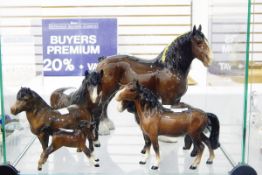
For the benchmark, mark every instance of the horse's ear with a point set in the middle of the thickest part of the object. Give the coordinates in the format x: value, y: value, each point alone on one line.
x: 194, y: 29
x: 199, y: 28
x: 86, y: 73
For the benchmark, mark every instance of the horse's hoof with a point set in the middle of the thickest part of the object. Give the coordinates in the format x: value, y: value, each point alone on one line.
x: 209, y: 162
x: 154, y: 167
x: 143, y: 151
x: 110, y: 124
x: 78, y: 150
x: 97, y: 160
x: 185, y: 148
x: 97, y: 165
x: 39, y: 169
x: 192, y: 167
x: 193, y: 153
x: 103, y: 129
x: 97, y: 145
x: 142, y: 162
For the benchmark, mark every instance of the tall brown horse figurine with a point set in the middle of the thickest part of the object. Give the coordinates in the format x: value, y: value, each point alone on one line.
x: 42, y: 117
x: 85, y: 95
x: 75, y: 139
x: 156, y: 120
x: 166, y: 75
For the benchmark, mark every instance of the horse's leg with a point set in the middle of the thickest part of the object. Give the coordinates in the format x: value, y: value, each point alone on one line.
x: 147, y: 150
x: 89, y: 155
x: 188, y: 142
x: 211, y: 151
x: 200, y: 148
x: 147, y: 143
x: 44, y: 139
x: 91, y: 148
x: 96, y: 140
x: 46, y: 153
x: 154, y: 141
x: 103, y: 126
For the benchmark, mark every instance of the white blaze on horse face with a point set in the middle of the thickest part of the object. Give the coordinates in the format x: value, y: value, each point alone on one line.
x: 93, y: 94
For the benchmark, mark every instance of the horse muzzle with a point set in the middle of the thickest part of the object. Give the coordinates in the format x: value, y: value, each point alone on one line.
x: 14, y: 110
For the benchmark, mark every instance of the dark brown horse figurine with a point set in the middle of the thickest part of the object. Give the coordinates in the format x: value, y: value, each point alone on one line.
x: 166, y: 75
x: 43, y: 118
x: 75, y: 139
x: 156, y: 120
x: 86, y: 95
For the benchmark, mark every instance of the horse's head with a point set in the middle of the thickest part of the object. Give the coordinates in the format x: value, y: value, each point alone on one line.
x: 88, y: 128
x: 200, y: 47
x: 92, y: 82
x: 23, y: 102
x: 127, y: 93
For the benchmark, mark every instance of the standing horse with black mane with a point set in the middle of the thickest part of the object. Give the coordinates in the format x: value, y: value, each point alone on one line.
x: 85, y: 95
x: 166, y: 75
x: 156, y: 120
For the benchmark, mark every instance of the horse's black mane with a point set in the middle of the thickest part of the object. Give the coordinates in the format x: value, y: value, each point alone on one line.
x: 148, y: 98
x: 28, y: 92
x: 80, y: 95
x: 178, y: 55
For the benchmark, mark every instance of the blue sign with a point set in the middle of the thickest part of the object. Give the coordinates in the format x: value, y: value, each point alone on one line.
x: 71, y: 46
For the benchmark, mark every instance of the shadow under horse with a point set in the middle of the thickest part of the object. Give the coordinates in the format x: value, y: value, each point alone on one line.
x: 44, y: 120
x: 86, y: 95
x: 156, y: 120
x: 166, y: 75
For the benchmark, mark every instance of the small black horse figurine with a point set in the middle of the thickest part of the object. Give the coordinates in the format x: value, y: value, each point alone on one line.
x: 156, y: 120
x: 86, y: 95
x: 165, y: 75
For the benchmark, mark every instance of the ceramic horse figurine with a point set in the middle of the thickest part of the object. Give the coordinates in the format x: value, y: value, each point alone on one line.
x: 156, y: 120
x: 130, y: 107
x: 85, y: 95
x: 41, y: 116
x: 166, y: 75
x: 75, y: 139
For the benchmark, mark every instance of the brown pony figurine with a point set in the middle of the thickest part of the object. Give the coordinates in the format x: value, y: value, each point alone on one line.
x: 166, y: 75
x: 75, y: 139
x: 156, y: 120
x: 130, y: 107
x: 43, y: 118
x: 86, y: 95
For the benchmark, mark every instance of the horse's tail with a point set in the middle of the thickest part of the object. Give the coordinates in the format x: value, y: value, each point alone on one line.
x: 214, y: 132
